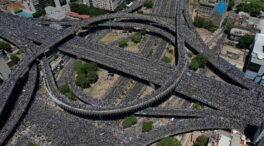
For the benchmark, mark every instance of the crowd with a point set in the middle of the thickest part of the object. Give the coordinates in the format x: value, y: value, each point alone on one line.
x: 20, y: 105
x: 135, y: 64
x: 119, y: 59
x: 186, y: 125
x: 225, y: 67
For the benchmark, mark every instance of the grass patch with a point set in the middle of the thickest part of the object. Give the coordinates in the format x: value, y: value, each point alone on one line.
x: 129, y: 121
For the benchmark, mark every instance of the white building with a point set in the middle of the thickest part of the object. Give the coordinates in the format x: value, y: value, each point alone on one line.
x: 255, y: 65
x: 109, y: 5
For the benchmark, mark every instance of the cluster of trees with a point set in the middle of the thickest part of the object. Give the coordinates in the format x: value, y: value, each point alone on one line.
x: 205, y: 23
x: 5, y: 46
x: 147, y: 126
x: 252, y: 7
x: 39, y: 13
x: 85, y: 10
x: 199, y: 61
x: 123, y: 43
x: 14, y: 58
x: 86, y: 73
x: 245, y: 41
x: 148, y: 3
x: 166, y: 59
x: 129, y: 121
x: 201, y: 141
x: 138, y: 36
x: 169, y: 141
x: 64, y: 89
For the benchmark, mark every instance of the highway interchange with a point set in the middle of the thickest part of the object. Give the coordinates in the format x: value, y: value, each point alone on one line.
x: 231, y: 105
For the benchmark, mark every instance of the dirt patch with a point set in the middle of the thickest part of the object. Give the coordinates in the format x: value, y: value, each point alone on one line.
x: 98, y: 89
x: 113, y: 36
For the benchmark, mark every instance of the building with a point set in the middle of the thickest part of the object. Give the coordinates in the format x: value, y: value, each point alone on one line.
x: 224, y: 138
x: 259, y: 135
x: 29, y: 5
x: 213, y: 10
x: 109, y: 5
x: 255, y: 65
x: 236, y: 33
x: 59, y: 11
x: 4, y: 69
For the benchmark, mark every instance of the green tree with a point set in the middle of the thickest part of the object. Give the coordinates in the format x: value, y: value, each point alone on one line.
x: 166, y: 59
x: 15, y: 59
x: 137, y: 37
x: 169, y: 141
x: 38, y: 13
x: 202, y: 60
x: 230, y: 26
x: 245, y: 41
x: 82, y: 81
x: 129, y: 121
x: 92, y: 77
x: 122, y: 43
x: 85, y: 10
x: 199, y: 22
x: 5, y: 46
x: 30, y: 144
x: 231, y: 5
x: 147, y: 126
x: 201, y: 141
x: 148, y: 3
x: 224, y: 22
x: 194, y: 65
x: 198, y: 61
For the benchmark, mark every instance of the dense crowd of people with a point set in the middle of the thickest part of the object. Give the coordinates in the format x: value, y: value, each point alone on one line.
x: 20, y: 105
x: 119, y: 59
x: 186, y: 125
x: 216, y: 95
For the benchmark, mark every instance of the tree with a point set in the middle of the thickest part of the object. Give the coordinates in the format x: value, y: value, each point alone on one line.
x: 85, y: 10
x: 198, y: 61
x: 129, y: 121
x: 224, y: 22
x: 169, y: 141
x: 194, y: 65
x: 5, y: 46
x: 231, y: 5
x: 199, y: 22
x: 202, y: 60
x: 253, y: 7
x: 147, y: 126
x: 166, y: 59
x: 38, y: 13
x: 245, y: 41
x: 64, y: 89
x: 14, y: 59
x: 148, y: 3
x: 201, y: 141
x: 92, y: 77
x: 122, y: 43
x: 137, y: 37
x: 30, y: 144
x: 230, y: 26
x: 82, y: 81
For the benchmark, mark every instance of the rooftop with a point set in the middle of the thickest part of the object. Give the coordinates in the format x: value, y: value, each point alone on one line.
x: 258, y: 49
